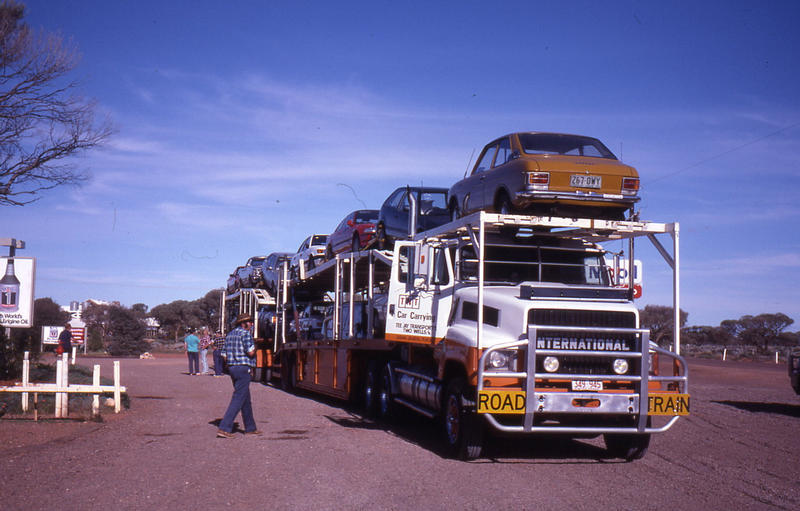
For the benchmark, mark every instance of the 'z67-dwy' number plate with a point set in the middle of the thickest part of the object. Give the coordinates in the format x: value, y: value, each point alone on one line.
x: 501, y: 401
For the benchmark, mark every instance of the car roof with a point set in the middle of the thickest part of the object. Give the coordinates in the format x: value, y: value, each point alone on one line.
x: 422, y: 189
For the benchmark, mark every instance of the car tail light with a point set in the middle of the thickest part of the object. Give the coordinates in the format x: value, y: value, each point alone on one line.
x: 538, y: 180
x: 630, y: 185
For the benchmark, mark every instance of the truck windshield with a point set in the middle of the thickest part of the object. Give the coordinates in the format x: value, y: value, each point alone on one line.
x: 514, y: 264
x: 554, y: 143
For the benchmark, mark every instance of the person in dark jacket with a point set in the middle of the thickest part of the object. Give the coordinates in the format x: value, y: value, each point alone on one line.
x: 65, y: 339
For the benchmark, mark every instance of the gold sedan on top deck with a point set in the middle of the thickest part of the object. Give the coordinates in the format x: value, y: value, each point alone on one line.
x: 548, y: 174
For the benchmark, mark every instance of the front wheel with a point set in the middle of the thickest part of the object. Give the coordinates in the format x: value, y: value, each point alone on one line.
x: 463, y: 428
x: 356, y: 246
x: 627, y: 447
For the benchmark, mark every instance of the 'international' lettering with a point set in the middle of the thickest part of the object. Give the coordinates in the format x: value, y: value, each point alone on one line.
x: 581, y: 344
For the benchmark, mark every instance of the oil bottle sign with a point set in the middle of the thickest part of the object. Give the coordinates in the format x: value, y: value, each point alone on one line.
x: 16, y: 291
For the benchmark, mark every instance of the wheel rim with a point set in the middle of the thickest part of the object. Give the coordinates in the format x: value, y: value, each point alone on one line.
x: 452, y: 420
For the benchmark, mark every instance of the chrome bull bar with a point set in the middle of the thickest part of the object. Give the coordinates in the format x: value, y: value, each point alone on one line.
x: 634, y: 404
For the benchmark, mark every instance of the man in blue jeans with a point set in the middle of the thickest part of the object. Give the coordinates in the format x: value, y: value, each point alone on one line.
x: 239, y: 353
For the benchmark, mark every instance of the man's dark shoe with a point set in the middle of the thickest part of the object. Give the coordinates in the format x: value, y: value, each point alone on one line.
x: 224, y: 434
x: 255, y: 432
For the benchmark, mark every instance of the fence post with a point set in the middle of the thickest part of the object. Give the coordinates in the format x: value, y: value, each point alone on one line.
x: 96, y: 397
x: 74, y: 352
x: 724, y: 353
x: 776, y: 357
x: 117, y: 393
x: 65, y: 384
x: 26, y: 378
x: 59, y: 370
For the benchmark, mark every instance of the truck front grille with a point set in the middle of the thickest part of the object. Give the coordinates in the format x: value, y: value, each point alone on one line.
x: 588, y: 341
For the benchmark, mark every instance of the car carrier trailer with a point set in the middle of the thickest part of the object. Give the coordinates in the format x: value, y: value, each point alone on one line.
x: 491, y: 322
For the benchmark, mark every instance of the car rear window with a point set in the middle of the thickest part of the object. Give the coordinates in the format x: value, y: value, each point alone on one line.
x: 367, y: 217
x: 552, y: 143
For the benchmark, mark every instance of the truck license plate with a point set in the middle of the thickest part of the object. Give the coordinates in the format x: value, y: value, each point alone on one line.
x: 667, y: 404
x: 584, y: 181
x: 501, y: 401
x: 590, y: 385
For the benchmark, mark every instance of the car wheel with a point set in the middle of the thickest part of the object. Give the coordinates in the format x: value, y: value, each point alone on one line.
x: 356, y: 246
x: 463, y: 429
x: 328, y: 253
x: 380, y: 236
x: 454, y: 214
x: 503, y: 205
x: 311, y: 263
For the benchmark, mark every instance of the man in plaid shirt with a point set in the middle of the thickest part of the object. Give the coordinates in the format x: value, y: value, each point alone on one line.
x: 239, y: 353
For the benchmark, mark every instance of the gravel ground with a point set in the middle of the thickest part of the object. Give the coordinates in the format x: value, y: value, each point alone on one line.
x: 738, y: 450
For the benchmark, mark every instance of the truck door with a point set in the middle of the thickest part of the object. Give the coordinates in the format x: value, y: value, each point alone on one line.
x: 420, y: 293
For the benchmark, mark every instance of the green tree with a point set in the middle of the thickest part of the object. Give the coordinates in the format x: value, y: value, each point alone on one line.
x: 660, y: 320
x: 97, y: 319
x: 43, y: 120
x: 126, y: 331
x: 179, y: 315
x: 763, y: 329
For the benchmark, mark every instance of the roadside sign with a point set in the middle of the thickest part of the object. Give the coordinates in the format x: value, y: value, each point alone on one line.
x: 16, y: 291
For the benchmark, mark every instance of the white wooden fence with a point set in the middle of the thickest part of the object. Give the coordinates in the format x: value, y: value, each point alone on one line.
x: 62, y: 389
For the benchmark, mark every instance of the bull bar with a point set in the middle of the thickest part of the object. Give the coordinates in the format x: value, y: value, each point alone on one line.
x: 560, y: 402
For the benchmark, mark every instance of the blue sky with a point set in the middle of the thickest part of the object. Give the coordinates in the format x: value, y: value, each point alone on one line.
x: 243, y: 127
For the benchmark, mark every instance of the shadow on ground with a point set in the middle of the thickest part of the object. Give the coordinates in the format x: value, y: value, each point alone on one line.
x: 773, y: 408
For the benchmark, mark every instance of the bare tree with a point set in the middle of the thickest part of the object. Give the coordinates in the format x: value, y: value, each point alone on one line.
x: 43, y: 120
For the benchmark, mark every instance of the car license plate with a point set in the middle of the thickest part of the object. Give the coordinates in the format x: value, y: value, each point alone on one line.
x: 667, y: 404
x: 590, y: 385
x: 584, y: 181
x: 501, y: 401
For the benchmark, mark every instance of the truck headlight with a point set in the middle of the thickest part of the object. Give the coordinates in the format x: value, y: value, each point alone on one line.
x: 620, y: 366
x: 502, y: 359
x: 550, y: 364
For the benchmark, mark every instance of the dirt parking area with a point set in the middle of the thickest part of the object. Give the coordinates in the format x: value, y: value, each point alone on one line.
x: 738, y: 450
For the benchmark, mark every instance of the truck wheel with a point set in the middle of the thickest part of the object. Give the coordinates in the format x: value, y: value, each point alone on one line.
x: 287, y: 372
x: 463, y: 428
x: 386, y: 406
x: 627, y: 447
x: 371, y: 390
x: 258, y: 374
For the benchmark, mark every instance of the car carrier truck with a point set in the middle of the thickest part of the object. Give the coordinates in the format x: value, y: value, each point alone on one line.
x: 491, y: 322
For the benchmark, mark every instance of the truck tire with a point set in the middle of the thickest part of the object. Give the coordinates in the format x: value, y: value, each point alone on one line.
x: 287, y: 372
x: 371, y: 390
x: 463, y: 428
x: 627, y: 447
x: 386, y: 405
